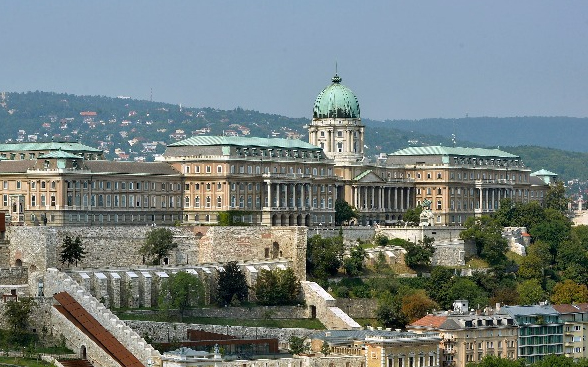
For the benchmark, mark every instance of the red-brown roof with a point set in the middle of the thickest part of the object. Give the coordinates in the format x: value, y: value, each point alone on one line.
x: 567, y: 308
x: 74, y: 312
x: 429, y: 321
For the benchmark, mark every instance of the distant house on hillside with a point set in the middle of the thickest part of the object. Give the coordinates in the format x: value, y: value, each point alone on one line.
x: 88, y: 113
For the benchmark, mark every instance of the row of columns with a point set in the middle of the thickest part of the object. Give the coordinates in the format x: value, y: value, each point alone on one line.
x: 490, y: 197
x: 300, y: 195
x: 331, y: 140
x: 385, y: 198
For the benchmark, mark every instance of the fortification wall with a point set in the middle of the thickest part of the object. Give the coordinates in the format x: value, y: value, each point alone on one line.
x: 164, y: 332
x: 350, y: 234
x: 362, y: 308
x: 223, y: 244
x: 415, y: 234
x: 39, y: 247
x: 56, y: 282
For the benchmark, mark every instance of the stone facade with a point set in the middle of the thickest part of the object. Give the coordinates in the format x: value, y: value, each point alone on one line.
x: 39, y: 247
x: 363, y: 308
x: 323, y: 307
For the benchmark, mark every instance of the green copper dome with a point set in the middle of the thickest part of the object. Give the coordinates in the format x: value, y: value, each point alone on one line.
x: 336, y: 101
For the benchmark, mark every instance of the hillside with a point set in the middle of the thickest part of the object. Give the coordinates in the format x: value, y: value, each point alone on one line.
x: 567, y: 133
x: 129, y: 129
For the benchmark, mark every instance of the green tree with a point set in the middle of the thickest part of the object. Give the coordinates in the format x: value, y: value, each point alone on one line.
x: 72, y: 251
x: 555, y: 197
x: 324, y: 256
x: 232, y: 218
x: 158, y: 244
x: 490, y: 360
x: 180, y: 292
x: 388, y: 311
x: 439, y: 285
x: 530, y: 292
x: 232, y: 286
x: 277, y: 287
x: 486, y: 233
x: 569, y: 291
x: 353, y: 264
x: 17, y: 315
x: 413, y: 216
x: 344, y: 212
x: 297, y: 345
x: 464, y: 288
x: 417, y: 305
x: 554, y: 229
x: 419, y: 255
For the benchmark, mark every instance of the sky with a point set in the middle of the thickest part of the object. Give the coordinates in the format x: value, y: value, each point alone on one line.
x: 403, y: 59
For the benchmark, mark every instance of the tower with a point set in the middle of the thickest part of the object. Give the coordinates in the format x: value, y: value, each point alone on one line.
x: 336, y: 124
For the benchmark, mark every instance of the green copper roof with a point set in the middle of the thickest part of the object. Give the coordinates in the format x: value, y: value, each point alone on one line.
x: 59, y: 154
x: 50, y: 146
x: 245, y: 142
x: 454, y: 151
x: 336, y: 101
x: 543, y: 172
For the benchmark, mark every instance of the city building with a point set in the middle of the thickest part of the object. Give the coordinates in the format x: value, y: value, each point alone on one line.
x: 575, y: 319
x: 381, y: 348
x: 540, y: 330
x: 468, y: 337
x: 262, y: 181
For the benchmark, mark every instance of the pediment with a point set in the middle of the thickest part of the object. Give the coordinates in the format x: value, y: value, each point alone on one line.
x: 368, y: 177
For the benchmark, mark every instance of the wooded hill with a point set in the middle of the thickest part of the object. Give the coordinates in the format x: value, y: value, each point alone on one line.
x: 125, y: 125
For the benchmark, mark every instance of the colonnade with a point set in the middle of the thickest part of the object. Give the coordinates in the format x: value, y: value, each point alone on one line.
x: 291, y: 195
x: 489, y: 198
x: 382, y: 198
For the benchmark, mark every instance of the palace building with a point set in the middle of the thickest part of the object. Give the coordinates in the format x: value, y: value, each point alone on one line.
x: 261, y: 181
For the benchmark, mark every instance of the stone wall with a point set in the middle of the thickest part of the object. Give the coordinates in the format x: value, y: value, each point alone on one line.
x: 56, y: 282
x: 164, y: 332
x: 223, y: 244
x: 350, y: 234
x: 38, y: 248
x: 363, y: 308
x: 78, y: 341
x: 323, y: 307
x: 14, y: 275
x: 415, y: 234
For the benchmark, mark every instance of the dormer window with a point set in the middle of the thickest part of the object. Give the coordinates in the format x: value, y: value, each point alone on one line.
x: 46, y: 164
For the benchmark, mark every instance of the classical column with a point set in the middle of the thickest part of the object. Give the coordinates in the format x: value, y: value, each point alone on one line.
x: 493, y: 198
x: 401, y: 199
x: 396, y: 198
x: 269, y: 194
x: 278, y: 194
x: 407, y: 197
x: 294, y: 204
x: 365, y: 197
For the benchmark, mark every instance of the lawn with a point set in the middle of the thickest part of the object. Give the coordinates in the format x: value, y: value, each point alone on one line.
x: 20, y: 361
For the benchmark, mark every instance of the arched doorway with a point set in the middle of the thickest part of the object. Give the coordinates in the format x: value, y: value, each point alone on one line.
x: 299, y: 220
x: 307, y: 220
x: 18, y: 263
x: 83, y: 352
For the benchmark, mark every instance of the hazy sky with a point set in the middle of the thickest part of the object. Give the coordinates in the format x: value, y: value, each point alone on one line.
x: 403, y: 59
